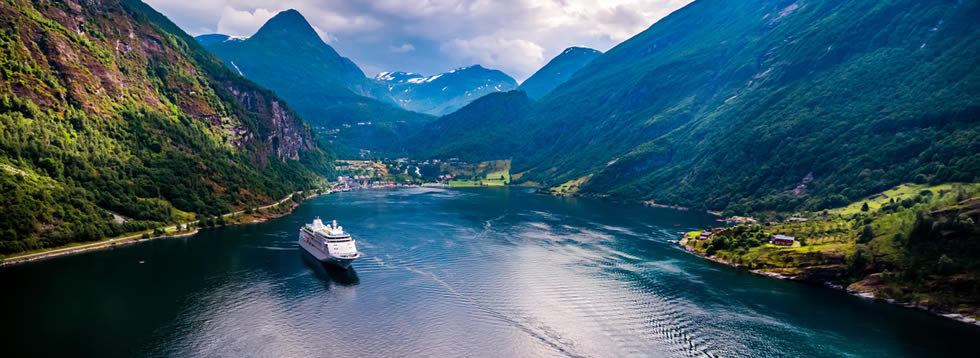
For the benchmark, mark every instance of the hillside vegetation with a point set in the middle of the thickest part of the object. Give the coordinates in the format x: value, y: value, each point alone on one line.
x: 921, y: 248
x: 754, y: 106
x: 489, y: 173
x: 113, y: 120
x: 558, y: 71
x: 473, y: 131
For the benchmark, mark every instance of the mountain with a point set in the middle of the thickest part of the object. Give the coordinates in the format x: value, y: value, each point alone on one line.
x: 446, y: 92
x: 483, y: 115
x: 557, y: 71
x: 300, y: 59
x: 287, y: 56
x: 761, y: 105
x: 114, y: 120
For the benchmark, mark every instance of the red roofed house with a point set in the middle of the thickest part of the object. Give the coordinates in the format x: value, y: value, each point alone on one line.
x: 782, y: 240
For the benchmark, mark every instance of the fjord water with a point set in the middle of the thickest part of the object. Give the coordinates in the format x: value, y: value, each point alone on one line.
x: 488, y: 272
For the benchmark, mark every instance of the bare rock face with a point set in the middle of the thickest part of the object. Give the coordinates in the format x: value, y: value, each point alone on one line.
x: 285, y: 135
x: 104, y: 61
x: 288, y: 141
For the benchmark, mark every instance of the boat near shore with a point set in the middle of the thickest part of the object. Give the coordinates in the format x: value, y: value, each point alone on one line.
x: 328, y: 243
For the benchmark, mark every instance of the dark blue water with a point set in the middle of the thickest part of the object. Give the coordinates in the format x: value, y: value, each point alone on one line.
x: 483, y: 272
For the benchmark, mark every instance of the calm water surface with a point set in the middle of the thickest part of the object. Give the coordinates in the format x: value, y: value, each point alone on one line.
x: 492, y: 272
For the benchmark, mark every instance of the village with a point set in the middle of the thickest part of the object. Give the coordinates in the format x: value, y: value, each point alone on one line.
x: 404, y: 172
x: 781, y: 245
x: 367, y: 174
x: 708, y: 234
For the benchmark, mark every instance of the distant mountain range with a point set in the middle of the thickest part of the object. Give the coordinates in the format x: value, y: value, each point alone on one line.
x: 444, y: 93
x: 557, y: 71
x: 287, y: 56
x: 751, y: 106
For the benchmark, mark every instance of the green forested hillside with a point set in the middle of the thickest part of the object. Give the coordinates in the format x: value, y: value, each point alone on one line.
x: 478, y: 122
x: 763, y: 105
x: 287, y: 56
x: 110, y: 109
x: 557, y: 71
x: 916, y: 244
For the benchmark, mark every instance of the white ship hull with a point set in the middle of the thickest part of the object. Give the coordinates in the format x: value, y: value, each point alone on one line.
x: 322, y: 252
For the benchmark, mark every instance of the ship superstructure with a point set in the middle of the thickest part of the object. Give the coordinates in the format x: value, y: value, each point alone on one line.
x: 328, y: 243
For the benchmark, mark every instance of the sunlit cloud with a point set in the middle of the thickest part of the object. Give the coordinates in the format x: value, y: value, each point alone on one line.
x: 431, y: 36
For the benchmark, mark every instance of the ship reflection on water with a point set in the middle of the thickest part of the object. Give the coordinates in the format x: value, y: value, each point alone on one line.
x: 330, y: 274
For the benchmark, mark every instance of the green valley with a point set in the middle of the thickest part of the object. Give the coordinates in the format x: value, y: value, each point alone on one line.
x: 249, y: 191
x: 489, y: 173
x: 748, y: 107
x: 848, y: 128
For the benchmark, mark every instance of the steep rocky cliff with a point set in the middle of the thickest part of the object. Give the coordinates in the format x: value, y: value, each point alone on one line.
x: 109, y: 108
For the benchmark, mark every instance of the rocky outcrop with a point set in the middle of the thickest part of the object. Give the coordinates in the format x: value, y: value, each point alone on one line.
x: 285, y: 135
x: 98, y: 63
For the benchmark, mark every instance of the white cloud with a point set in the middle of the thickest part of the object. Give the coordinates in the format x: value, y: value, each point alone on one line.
x: 326, y: 37
x: 520, y: 56
x: 415, y: 8
x: 516, y: 36
x: 242, y: 22
x: 340, y: 22
x: 401, y: 48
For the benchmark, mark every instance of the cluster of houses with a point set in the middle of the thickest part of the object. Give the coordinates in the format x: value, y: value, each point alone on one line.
x: 781, y: 240
x: 737, y: 220
x: 708, y: 233
x: 347, y: 183
x: 429, y: 161
x: 360, y: 165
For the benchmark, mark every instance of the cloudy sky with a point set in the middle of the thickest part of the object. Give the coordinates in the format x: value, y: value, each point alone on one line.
x: 434, y: 36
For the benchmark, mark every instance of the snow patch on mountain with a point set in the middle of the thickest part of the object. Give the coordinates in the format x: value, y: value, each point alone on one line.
x: 433, y: 78
x: 443, y: 93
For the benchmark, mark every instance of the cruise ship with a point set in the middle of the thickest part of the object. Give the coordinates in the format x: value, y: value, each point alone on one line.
x: 328, y: 243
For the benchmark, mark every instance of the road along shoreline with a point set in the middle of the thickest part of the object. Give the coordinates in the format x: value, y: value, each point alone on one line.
x: 138, y: 237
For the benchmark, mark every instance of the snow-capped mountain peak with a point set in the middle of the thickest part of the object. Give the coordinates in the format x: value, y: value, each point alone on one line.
x: 444, y: 92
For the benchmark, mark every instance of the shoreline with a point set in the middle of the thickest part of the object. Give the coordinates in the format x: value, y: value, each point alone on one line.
x: 137, y: 238
x: 827, y: 284
x: 134, y: 238
x: 646, y: 203
x: 124, y: 241
x: 853, y: 292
